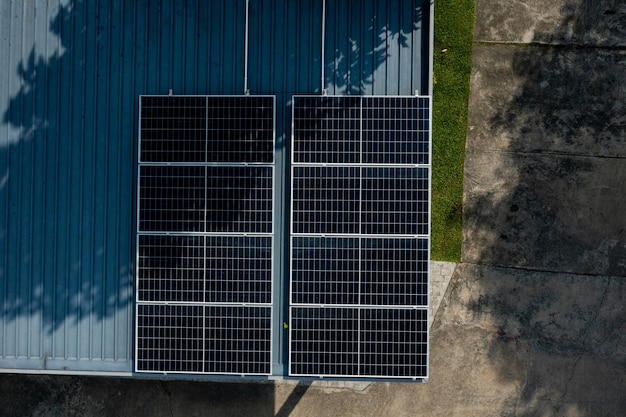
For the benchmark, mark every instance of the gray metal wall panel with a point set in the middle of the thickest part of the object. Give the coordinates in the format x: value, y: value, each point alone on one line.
x: 68, y: 119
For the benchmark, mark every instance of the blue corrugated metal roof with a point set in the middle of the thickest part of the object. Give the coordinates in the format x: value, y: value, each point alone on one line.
x: 73, y: 71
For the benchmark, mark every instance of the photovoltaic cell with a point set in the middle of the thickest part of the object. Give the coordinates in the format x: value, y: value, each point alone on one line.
x: 238, y: 269
x: 229, y: 269
x: 359, y: 270
x: 326, y: 129
x: 396, y: 130
x: 170, y: 338
x: 359, y: 342
x: 173, y: 129
x: 360, y: 237
x: 325, y: 199
x: 218, y: 199
x: 204, y: 339
x: 238, y: 340
x: 393, y: 342
x: 171, y: 268
x: 325, y: 270
x: 205, y: 234
x: 394, y: 272
x: 325, y: 341
x: 172, y: 198
x: 368, y: 130
x: 394, y: 201
x: 239, y: 199
x: 240, y: 129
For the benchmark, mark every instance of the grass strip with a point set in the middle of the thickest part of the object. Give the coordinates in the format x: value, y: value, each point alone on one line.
x: 452, y: 64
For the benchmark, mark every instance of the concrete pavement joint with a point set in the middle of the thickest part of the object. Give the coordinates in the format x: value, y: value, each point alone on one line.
x: 540, y: 152
x: 574, y: 46
x: 538, y: 270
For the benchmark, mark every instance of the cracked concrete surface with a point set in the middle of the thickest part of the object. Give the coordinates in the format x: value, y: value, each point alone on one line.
x: 533, y: 320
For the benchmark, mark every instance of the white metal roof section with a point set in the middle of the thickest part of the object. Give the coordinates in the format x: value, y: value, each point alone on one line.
x: 360, y: 215
x: 204, y: 234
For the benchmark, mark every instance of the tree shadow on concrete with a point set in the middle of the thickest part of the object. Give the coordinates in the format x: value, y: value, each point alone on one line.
x: 544, y: 238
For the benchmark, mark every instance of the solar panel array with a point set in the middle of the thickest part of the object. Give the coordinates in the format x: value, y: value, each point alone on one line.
x: 360, y: 237
x: 204, y: 236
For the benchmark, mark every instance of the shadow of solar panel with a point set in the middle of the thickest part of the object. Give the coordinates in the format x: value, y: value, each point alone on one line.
x: 238, y: 340
x: 170, y: 338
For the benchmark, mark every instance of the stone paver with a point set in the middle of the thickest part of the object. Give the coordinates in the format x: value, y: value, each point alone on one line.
x: 440, y: 275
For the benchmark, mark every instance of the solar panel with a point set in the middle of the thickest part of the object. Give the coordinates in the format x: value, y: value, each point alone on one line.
x: 396, y: 130
x: 360, y: 212
x: 358, y: 270
x: 358, y: 342
x: 326, y: 129
x: 394, y: 201
x: 205, y: 234
x: 207, y: 129
x: 325, y: 199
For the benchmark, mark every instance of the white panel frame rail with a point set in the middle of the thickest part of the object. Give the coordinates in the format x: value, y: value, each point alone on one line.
x: 363, y: 336
x: 207, y: 322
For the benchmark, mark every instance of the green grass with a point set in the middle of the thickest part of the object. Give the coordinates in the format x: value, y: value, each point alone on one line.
x: 452, y: 63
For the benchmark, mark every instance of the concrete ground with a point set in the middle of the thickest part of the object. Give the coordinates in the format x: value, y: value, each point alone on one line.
x: 533, y: 322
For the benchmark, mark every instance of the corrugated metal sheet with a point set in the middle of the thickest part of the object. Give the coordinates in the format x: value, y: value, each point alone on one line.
x: 72, y: 74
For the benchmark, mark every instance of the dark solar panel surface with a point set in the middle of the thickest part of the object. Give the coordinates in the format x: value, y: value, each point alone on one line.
x: 394, y: 201
x: 395, y: 130
x: 170, y: 338
x: 358, y: 270
x: 171, y: 268
x: 238, y: 340
x: 173, y: 129
x: 357, y: 342
x: 207, y: 129
x: 325, y: 199
x: 204, y: 339
x: 325, y: 270
x: 326, y: 129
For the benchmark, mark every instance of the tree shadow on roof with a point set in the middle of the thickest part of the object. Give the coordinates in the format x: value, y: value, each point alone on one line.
x: 67, y: 189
